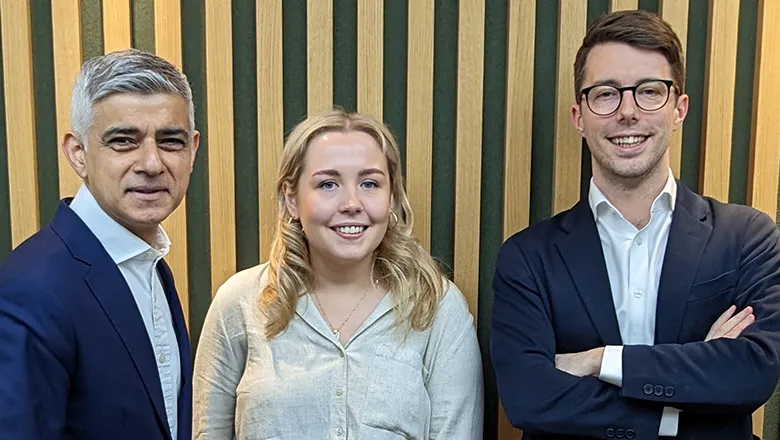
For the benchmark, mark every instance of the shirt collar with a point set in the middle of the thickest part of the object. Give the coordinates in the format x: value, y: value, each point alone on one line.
x: 121, y: 244
x: 663, y: 202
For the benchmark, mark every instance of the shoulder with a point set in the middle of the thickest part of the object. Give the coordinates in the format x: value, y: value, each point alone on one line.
x: 453, y: 308
x: 242, y: 288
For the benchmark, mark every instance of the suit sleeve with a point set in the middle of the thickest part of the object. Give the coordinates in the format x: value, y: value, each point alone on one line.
x: 536, y: 396
x: 723, y: 375
x: 36, y: 357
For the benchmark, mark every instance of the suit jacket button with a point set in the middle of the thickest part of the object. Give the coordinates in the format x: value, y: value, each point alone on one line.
x: 620, y: 433
x: 647, y: 389
x: 630, y: 433
x: 669, y: 391
x: 658, y: 390
x: 610, y: 433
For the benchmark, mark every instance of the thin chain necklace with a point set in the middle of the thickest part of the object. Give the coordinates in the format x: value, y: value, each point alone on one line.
x: 337, y: 330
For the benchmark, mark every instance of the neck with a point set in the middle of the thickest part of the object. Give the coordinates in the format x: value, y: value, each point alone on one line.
x: 633, y: 197
x: 344, y: 277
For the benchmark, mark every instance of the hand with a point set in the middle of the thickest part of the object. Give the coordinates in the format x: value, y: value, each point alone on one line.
x: 585, y: 363
x: 728, y: 326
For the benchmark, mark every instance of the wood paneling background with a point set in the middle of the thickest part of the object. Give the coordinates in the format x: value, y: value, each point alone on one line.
x: 477, y: 91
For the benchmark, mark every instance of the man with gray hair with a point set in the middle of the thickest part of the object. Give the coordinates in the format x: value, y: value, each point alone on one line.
x: 93, y: 343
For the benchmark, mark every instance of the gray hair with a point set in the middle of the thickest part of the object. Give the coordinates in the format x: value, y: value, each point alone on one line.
x: 126, y: 71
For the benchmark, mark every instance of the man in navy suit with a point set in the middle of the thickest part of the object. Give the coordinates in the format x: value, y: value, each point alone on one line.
x: 93, y: 344
x: 645, y: 310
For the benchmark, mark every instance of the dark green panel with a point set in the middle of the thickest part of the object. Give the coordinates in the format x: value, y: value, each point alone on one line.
x: 543, y: 135
x: 394, y: 74
x: 649, y: 5
x: 492, y: 190
x: 596, y: 8
x: 245, y: 134
x: 5, y: 203
x: 345, y: 54
x: 45, y: 112
x: 142, y: 12
x: 294, y: 62
x: 91, y: 28
x: 772, y: 415
x: 445, y: 70
x: 743, y: 101
x: 198, y: 246
x: 694, y: 85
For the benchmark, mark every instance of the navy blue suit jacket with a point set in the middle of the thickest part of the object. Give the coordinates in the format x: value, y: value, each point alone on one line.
x: 552, y: 296
x: 76, y: 361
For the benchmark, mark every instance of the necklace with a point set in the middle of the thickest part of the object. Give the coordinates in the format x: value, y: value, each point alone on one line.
x: 337, y: 330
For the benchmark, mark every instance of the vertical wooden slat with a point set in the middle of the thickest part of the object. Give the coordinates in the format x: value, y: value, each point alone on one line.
x: 167, y: 44
x: 566, y: 173
x: 270, y: 115
x: 219, y: 93
x: 419, y: 116
x: 719, y: 81
x: 468, y: 147
x: 117, y: 34
x: 66, y: 46
x: 319, y: 48
x: 20, y: 119
x: 370, y: 24
x: 675, y: 12
x: 623, y: 5
x: 517, y: 144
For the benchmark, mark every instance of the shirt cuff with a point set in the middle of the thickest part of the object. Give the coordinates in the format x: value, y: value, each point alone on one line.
x: 612, y: 366
x: 669, y: 422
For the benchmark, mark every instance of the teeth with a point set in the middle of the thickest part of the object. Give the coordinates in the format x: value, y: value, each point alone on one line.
x: 628, y: 140
x: 351, y: 229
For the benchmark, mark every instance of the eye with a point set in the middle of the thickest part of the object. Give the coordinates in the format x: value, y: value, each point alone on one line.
x: 172, y: 144
x: 327, y: 185
x: 369, y: 184
x: 121, y: 143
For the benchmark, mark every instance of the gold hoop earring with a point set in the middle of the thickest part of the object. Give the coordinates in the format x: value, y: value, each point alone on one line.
x: 395, y: 219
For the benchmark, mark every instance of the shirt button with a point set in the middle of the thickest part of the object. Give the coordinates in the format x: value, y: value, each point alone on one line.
x: 161, y: 358
x: 639, y: 241
x: 339, y: 392
x: 638, y: 293
x: 339, y: 431
x: 341, y: 354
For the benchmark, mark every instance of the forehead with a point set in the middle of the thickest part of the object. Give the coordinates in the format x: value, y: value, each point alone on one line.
x: 624, y: 64
x: 159, y: 110
x: 344, y: 149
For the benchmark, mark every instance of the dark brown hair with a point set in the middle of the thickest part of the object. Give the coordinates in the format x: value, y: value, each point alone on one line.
x: 640, y: 29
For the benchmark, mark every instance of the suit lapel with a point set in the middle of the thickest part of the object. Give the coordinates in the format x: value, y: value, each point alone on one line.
x: 688, y: 236
x: 580, y: 247
x: 113, y: 294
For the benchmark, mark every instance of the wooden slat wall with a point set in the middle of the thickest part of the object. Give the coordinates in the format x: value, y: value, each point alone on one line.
x: 219, y: 88
x: 20, y: 118
x: 270, y: 115
x: 675, y: 12
x: 117, y: 31
x: 419, y: 116
x: 764, y: 161
x: 719, y: 99
x: 566, y: 174
x: 66, y: 45
x: 167, y: 44
x: 319, y: 49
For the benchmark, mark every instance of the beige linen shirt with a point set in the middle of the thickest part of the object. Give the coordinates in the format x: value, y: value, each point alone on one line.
x: 303, y: 384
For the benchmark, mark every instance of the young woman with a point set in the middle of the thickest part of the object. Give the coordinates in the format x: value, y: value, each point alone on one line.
x: 350, y: 330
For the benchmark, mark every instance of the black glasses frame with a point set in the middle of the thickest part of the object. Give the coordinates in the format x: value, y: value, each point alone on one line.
x: 621, y: 90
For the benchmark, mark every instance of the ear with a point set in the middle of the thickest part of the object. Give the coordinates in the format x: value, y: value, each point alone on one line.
x: 194, y: 145
x: 680, y: 111
x: 76, y: 153
x: 576, y: 119
x: 290, y: 201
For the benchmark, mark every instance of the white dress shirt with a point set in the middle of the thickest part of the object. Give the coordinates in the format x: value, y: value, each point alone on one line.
x: 634, y: 259
x: 137, y: 261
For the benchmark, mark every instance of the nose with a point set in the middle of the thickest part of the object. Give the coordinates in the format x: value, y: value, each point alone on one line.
x: 150, y: 162
x: 351, y: 203
x: 627, y: 109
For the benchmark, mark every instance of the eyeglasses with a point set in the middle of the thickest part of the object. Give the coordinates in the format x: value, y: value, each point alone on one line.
x: 649, y: 96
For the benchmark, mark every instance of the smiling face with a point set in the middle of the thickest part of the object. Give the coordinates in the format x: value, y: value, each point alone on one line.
x: 631, y: 143
x: 138, y: 158
x: 343, y: 197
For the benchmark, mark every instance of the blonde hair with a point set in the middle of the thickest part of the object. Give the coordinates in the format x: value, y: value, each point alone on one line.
x: 415, y: 281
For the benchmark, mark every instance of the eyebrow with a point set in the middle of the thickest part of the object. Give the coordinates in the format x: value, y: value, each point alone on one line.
x: 361, y: 173
x: 615, y: 83
x: 134, y: 131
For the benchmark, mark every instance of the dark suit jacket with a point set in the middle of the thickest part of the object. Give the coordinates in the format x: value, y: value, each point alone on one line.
x: 76, y: 361
x: 552, y: 295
